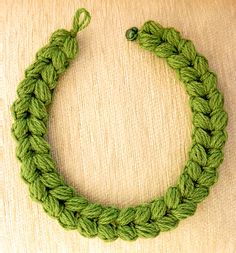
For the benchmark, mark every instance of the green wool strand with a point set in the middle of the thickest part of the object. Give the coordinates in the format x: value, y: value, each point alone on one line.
x: 59, y: 200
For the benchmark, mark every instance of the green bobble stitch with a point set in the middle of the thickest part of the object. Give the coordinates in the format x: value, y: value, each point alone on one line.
x: 70, y: 48
x: 127, y: 233
x: 189, y: 51
x: 158, y: 209
x: 209, y: 81
x: 185, y: 185
x: 193, y: 169
x: 87, y: 227
x: 207, y: 179
x: 216, y: 100
x: 60, y: 62
x: 184, y: 210
x: 20, y: 107
x: 42, y: 92
x: 199, y: 104
x: 59, y: 37
x: 36, y: 126
x: 50, y: 76
x: 92, y: 211
x: 149, y: 41
x: 188, y: 74
x: 126, y: 216
x: 147, y: 230
x: 218, y: 139
x: 23, y: 149
x: 181, y: 44
x: 20, y: 128
x: 209, y: 169
x: 107, y: 233
x: 26, y: 87
x: 39, y: 144
x: 34, y: 70
x: 38, y: 190
x: 150, y: 35
x: 196, y: 89
x: 38, y: 109
x: 76, y: 203
x: 215, y: 158
x: 44, y: 162
x: 62, y: 192
x: 177, y: 61
x: 51, y: 179
x: 167, y: 223
x: 153, y: 28
x: 199, y: 194
x: 143, y: 214
x: 198, y: 154
x: 172, y: 198
x: 202, y: 121
x: 29, y: 172
x: 200, y: 64
x: 201, y: 137
x: 172, y: 36
x: 67, y: 220
x: 164, y: 50
x: 52, y: 206
x: 45, y: 53
x: 108, y: 215
x: 219, y: 120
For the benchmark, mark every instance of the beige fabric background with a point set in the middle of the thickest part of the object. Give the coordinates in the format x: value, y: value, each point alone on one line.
x: 120, y: 124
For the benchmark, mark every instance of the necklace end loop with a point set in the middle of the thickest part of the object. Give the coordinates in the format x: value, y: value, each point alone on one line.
x: 81, y: 20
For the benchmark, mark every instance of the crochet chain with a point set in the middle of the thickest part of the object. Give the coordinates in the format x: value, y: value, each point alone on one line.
x: 61, y: 201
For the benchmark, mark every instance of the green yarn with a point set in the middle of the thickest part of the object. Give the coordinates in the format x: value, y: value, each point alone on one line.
x: 73, y: 211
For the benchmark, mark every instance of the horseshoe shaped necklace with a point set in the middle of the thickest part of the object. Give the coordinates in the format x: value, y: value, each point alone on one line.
x: 60, y: 200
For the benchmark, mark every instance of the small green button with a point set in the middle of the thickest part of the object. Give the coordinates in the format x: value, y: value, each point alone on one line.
x: 132, y: 33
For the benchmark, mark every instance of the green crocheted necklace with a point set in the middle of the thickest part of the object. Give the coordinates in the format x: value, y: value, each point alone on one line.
x: 60, y: 200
